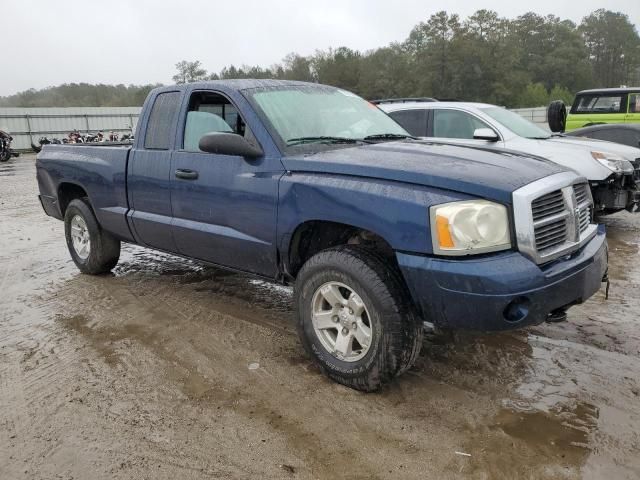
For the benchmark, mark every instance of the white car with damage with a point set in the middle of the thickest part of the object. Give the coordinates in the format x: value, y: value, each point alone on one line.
x: 613, y: 170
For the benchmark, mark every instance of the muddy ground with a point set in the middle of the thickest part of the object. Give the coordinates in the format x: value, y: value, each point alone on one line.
x: 171, y: 370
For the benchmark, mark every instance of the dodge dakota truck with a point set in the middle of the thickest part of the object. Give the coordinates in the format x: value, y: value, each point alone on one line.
x: 310, y: 185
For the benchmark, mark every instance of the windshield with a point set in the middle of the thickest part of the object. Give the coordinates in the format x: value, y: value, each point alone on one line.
x: 517, y: 124
x: 321, y: 114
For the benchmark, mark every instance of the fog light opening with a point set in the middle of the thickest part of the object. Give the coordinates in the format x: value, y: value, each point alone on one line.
x: 517, y: 310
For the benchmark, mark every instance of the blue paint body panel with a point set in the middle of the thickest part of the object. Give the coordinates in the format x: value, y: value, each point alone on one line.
x: 475, y: 293
x: 243, y: 214
x: 99, y: 171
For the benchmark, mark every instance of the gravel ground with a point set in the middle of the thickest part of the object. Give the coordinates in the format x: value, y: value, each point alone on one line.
x: 171, y: 370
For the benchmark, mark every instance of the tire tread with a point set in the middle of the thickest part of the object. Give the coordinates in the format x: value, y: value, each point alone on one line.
x: 403, y: 330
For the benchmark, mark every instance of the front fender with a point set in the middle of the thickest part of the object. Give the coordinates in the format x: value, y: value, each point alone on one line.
x: 397, y: 212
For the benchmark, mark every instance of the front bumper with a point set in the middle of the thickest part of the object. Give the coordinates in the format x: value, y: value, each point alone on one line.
x: 502, y: 291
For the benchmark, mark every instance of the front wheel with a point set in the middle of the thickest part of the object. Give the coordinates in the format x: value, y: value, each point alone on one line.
x: 93, y: 250
x: 355, y: 318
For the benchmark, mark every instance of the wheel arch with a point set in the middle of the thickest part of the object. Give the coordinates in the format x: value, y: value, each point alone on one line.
x: 68, y: 191
x: 313, y: 236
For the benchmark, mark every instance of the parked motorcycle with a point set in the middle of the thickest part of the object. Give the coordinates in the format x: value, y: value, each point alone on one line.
x: 74, y: 137
x: 46, y: 141
x: 5, y: 147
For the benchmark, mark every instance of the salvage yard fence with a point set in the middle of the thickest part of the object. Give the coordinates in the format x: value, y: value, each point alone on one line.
x: 536, y: 115
x: 28, y: 125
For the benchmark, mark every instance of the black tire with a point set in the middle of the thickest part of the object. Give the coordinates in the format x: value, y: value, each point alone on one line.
x: 397, y: 331
x: 104, y: 249
x: 5, y: 155
x: 557, y: 116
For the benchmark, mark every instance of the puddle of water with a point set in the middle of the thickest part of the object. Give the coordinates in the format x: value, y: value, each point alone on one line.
x: 543, y: 444
x: 566, y: 430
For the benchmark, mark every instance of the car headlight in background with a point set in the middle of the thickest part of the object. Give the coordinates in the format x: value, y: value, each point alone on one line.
x: 613, y: 162
x: 469, y: 227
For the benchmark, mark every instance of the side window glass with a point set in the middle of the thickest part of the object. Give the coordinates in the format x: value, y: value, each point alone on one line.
x: 211, y: 112
x: 161, y: 121
x: 634, y: 103
x: 600, y: 104
x: 455, y: 124
x: 413, y: 121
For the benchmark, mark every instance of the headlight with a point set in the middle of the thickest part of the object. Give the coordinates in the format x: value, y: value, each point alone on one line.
x: 613, y: 162
x: 469, y: 227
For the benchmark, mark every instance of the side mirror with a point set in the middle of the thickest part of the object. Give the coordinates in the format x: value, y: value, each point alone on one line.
x: 485, y: 134
x: 224, y: 143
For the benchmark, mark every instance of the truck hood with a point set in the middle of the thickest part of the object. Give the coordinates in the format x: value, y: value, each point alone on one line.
x: 482, y: 172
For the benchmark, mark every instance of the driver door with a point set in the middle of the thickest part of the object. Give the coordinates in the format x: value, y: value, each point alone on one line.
x: 224, y: 206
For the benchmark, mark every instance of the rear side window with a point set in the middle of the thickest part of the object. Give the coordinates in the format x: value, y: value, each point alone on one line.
x: 161, y: 121
x: 414, y: 121
x: 599, y: 104
x: 634, y: 103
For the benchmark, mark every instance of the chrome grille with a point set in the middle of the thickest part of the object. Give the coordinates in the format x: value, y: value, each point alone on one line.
x: 582, y: 193
x: 554, y: 216
x: 585, y: 204
x: 561, y: 216
x: 547, y: 205
x: 551, y: 234
x: 549, y: 222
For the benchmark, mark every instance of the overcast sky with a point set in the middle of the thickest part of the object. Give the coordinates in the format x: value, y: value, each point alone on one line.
x: 139, y: 41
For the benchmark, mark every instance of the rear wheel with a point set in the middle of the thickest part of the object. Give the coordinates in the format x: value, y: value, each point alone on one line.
x: 355, y: 319
x: 93, y: 250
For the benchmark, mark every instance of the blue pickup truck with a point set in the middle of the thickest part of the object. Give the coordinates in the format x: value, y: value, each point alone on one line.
x: 310, y: 185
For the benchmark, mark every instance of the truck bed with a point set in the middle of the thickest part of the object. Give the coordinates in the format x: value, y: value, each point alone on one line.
x: 97, y: 169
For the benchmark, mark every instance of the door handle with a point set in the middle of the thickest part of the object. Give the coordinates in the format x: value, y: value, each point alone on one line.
x: 186, y: 174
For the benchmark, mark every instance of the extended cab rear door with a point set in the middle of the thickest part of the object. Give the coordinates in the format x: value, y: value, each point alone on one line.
x: 224, y: 206
x: 149, y: 172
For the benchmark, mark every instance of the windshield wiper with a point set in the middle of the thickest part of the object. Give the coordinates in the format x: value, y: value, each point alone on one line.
x: 322, y: 139
x: 389, y: 136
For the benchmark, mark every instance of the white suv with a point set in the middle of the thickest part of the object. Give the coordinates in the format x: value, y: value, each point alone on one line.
x: 613, y: 170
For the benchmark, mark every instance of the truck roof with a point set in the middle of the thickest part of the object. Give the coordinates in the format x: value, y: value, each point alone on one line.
x: 239, y: 84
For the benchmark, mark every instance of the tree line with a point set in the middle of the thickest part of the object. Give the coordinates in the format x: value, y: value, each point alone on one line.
x: 521, y: 62
x: 81, y: 95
